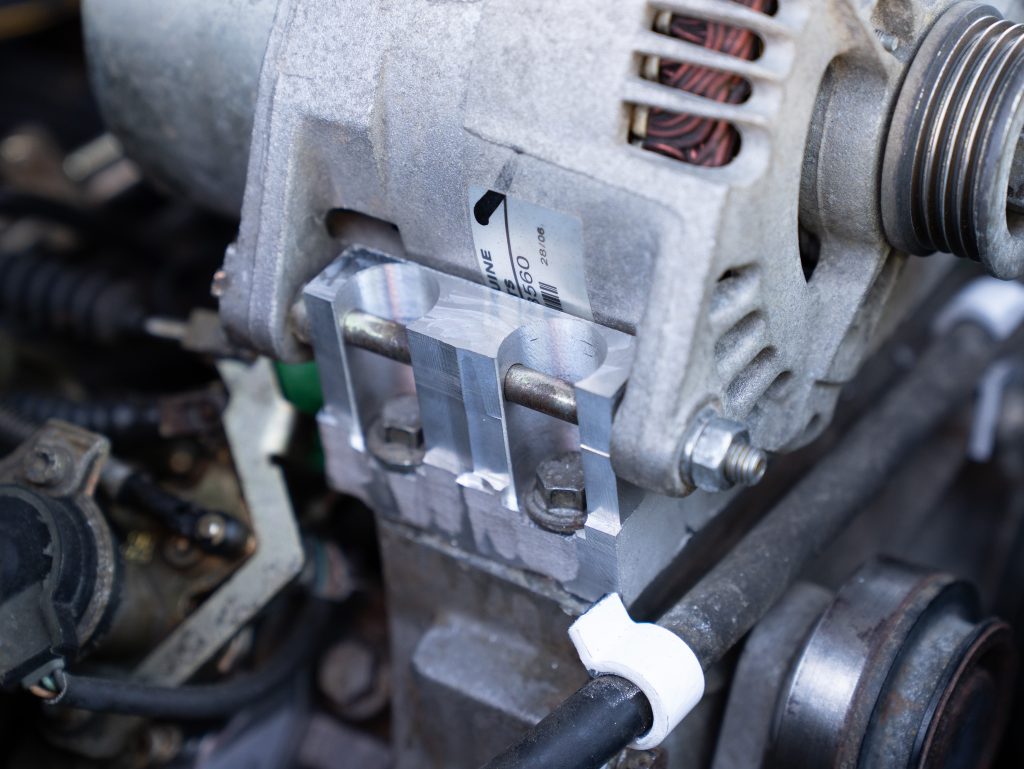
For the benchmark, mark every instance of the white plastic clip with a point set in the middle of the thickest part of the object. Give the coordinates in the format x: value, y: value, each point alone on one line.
x: 655, y: 659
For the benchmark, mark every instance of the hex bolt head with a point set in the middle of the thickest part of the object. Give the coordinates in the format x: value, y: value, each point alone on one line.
x: 401, y: 423
x: 396, y: 438
x: 557, y: 500
x: 46, y: 465
x: 718, y: 455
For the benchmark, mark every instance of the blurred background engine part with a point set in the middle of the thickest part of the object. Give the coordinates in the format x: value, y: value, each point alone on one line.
x: 564, y: 306
x: 60, y: 563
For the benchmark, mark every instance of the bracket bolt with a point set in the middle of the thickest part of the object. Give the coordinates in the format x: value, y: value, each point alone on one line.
x: 400, y: 421
x: 557, y: 500
x: 396, y: 438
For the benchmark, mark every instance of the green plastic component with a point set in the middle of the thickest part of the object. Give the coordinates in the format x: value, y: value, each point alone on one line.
x: 300, y: 384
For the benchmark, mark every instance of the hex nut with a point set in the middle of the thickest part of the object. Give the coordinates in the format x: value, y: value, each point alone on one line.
x: 557, y: 500
x: 718, y: 455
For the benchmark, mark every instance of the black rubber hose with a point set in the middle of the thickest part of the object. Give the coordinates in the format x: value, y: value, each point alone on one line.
x: 136, y: 418
x: 130, y: 420
x: 199, y: 701
x: 41, y: 292
x: 585, y: 731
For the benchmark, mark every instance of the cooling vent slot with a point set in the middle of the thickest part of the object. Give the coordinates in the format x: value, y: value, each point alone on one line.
x: 699, y: 64
x: 754, y: 380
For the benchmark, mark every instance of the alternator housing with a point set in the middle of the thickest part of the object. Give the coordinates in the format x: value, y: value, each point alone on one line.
x: 411, y: 113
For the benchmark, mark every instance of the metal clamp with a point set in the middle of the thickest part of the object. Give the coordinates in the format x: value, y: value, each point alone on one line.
x: 658, y: 661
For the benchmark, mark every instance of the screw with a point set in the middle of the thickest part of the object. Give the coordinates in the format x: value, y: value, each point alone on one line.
x: 558, y: 499
x: 745, y: 465
x: 46, y: 466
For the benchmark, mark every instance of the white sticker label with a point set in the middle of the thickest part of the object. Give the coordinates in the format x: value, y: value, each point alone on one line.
x: 530, y: 251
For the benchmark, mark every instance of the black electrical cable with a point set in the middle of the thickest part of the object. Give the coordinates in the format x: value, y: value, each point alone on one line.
x: 198, y: 701
x: 735, y: 594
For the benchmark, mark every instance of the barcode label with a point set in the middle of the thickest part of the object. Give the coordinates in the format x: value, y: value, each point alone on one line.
x: 529, y: 251
x: 550, y: 296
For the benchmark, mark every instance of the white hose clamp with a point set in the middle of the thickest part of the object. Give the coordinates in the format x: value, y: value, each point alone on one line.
x: 658, y: 661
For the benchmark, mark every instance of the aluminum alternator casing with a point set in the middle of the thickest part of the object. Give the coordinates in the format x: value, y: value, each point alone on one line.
x: 403, y: 112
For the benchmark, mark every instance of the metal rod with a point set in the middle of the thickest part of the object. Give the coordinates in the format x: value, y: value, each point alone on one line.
x: 523, y: 385
x: 378, y: 335
x: 541, y: 392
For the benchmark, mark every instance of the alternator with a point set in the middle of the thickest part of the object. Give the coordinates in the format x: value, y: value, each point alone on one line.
x: 705, y: 174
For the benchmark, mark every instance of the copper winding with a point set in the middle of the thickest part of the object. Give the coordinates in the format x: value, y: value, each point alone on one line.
x: 698, y: 140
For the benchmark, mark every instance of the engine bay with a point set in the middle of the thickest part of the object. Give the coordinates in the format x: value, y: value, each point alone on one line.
x: 622, y: 384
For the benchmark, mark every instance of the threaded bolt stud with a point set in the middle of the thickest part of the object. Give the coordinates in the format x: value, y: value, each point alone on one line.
x: 745, y: 465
